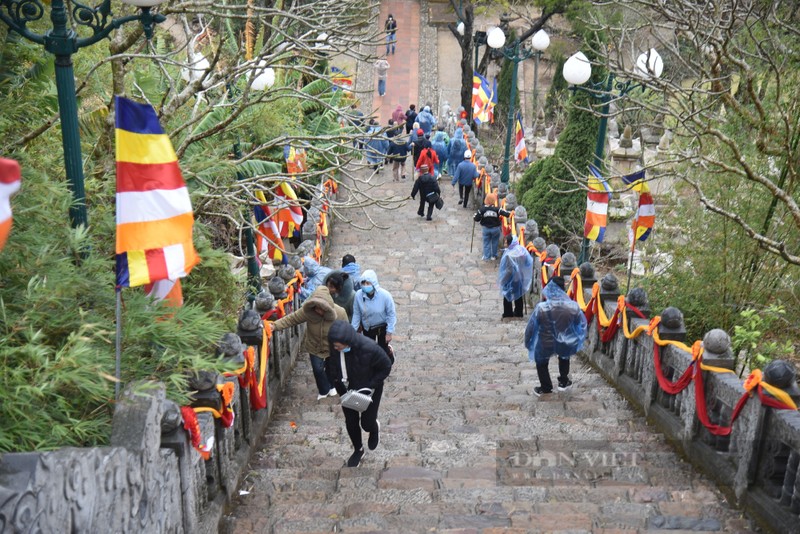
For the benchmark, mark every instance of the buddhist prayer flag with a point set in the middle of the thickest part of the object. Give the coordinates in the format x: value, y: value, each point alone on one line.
x: 154, y: 212
x: 10, y: 180
x: 520, y: 150
x: 295, y: 159
x: 484, y: 98
x: 645, y: 217
x: 637, y: 181
x: 166, y: 290
x: 596, y: 206
x: 289, y: 214
x: 269, y: 235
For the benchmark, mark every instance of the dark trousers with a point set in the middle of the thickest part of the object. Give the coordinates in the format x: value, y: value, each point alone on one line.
x: 422, y: 201
x: 354, y: 421
x: 517, y: 305
x: 463, y: 193
x: 544, y: 373
x: 318, y: 366
x: 378, y: 335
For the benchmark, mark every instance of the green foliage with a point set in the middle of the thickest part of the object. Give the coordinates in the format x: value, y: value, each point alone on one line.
x: 557, y: 94
x: 547, y: 188
x: 749, y: 343
x: 57, y: 327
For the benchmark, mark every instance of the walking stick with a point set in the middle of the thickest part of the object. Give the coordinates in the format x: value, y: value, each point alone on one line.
x: 473, y: 237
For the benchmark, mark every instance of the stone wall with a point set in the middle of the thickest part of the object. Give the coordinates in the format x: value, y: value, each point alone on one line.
x: 147, y: 480
x: 757, y: 464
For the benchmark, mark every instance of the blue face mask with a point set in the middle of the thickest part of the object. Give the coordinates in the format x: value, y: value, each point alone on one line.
x: 369, y: 289
x: 346, y: 349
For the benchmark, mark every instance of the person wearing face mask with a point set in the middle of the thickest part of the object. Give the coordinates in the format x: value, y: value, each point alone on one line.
x: 318, y: 312
x: 374, y: 311
x: 356, y: 362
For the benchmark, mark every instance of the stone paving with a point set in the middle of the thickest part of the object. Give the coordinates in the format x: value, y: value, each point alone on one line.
x: 465, y: 446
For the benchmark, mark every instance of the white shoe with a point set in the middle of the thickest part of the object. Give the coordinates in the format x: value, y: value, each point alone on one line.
x: 320, y: 397
x: 333, y: 393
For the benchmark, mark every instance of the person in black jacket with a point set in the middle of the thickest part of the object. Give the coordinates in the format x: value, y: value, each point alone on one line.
x: 428, y: 189
x: 367, y: 366
x: 489, y: 217
x: 411, y: 117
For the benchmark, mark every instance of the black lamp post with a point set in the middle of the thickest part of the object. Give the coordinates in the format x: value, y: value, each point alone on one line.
x: 578, y: 70
x: 62, y: 42
x: 515, y: 53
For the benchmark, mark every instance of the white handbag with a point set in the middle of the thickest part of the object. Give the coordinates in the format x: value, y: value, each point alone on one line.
x: 354, y: 399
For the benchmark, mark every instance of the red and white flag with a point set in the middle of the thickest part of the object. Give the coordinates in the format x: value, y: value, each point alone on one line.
x: 10, y: 180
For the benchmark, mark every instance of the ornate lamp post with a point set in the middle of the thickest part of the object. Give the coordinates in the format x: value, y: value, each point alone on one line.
x: 514, y: 53
x: 578, y: 70
x: 540, y: 42
x: 62, y: 42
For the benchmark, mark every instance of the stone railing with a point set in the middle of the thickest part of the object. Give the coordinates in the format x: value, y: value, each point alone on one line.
x: 757, y: 462
x: 150, y: 479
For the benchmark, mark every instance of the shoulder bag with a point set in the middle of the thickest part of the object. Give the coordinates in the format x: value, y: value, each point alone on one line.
x: 358, y: 400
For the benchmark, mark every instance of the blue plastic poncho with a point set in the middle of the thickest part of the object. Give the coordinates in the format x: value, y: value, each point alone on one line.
x: 557, y: 326
x: 377, y: 146
x: 314, y: 275
x: 516, y: 271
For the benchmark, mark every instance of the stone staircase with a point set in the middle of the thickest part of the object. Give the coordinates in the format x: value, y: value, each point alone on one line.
x: 465, y: 446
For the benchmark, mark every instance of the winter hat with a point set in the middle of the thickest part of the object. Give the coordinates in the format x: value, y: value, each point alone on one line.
x: 423, y: 167
x: 490, y: 199
x: 467, y: 154
x: 420, y: 132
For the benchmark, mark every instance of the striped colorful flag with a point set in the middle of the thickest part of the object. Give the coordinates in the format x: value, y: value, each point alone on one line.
x: 484, y: 98
x: 520, y: 150
x: 154, y: 212
x: 269, y: 236
x: 10, y: 180
x: 295, y: 159
x: 596, y: 206
x: 645, y: 217
x: 289, y: 214
x: 166, y: 290
x: 637, y: 181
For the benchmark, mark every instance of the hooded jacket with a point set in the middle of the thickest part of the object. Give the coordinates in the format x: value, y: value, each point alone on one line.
x: 316, y: 338
x: 399, y: 116
x: 366, y: 362
x: 369, y: 312
x: 354, y: 270
x: 426, y: 120
x: 345, y: 297
x: 557, y: 326
x: 515, y: 274
x: 314, y: 275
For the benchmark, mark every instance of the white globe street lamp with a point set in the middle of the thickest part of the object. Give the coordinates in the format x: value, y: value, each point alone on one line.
x: 649, y: 64
x: 496, y: 38
x: 577, y: 69
x: 264, y: 77
x: 194, y: 71
x: 540, y: 40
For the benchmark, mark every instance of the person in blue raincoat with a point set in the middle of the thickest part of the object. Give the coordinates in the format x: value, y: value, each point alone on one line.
x: 377, y: 146
x: 313, y: 276
x: 441, y: 144
x: 426, y: 119
x: 557, y: 326
x: 514, y: 276
x: 352, y: 268
x: 457, y: 148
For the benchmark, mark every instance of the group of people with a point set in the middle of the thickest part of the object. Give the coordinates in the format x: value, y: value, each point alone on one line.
x: 350, y: 320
